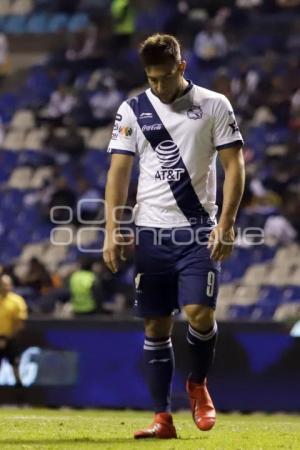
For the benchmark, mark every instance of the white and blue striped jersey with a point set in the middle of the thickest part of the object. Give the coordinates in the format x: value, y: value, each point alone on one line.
x: 177, y: 146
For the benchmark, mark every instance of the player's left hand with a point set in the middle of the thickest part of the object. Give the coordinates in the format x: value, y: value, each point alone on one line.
x: 221, y: 242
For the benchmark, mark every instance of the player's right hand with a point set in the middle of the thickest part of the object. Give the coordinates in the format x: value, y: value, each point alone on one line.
x: 114, y: 249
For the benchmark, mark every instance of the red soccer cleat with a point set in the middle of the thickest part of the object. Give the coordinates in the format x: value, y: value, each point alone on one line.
x: 161, y: 428
x: 203, y: 410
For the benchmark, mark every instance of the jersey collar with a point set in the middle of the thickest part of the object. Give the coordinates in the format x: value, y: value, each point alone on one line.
x: 186, y: 91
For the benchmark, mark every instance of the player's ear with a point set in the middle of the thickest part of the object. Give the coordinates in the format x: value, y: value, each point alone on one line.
x: 182, y: 66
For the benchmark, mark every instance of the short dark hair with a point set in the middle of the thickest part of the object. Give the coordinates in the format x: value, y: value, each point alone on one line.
x: 160, y: 49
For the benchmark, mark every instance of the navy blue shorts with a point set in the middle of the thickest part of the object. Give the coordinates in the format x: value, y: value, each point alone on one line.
x: 173, y: 268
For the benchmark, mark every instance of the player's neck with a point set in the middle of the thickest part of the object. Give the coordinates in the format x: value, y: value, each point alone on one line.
x: 181, y: 90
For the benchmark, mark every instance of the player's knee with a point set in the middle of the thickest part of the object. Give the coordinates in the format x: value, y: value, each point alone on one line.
x: 158, y: 327
x: 200, y: 317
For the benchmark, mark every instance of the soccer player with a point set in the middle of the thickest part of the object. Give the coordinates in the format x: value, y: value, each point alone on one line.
x: 13, y: 314
x: 177, y: 129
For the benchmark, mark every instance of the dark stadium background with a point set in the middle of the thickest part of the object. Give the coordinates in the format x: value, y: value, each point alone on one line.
x: 65, y: 66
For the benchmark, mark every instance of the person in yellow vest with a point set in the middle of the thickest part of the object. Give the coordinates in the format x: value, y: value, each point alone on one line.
x: 123, y: 15
x: 81, y: 288
x: 13, y: 315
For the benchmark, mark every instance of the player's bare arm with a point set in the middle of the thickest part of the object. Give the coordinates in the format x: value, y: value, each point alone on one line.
x: 116, y: 193
x: 222, y: 237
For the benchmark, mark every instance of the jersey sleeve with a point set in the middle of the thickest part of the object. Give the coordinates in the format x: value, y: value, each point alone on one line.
x: 226, y: 132
x: 123, y: 139
x: 21, y: 312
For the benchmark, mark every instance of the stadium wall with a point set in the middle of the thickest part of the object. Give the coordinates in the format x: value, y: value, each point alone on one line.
x: 99, y: 363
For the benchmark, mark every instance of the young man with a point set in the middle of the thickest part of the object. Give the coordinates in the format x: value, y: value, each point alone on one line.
x: 177, y: 129
x: 13, y: 315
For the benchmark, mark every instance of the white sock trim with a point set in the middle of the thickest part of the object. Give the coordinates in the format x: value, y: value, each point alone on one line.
x: 159, y: 345
x: 201, y: 336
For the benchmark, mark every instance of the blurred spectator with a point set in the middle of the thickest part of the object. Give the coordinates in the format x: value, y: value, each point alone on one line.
x: 278, y: 231
x: 21, y: 8
x: 4, y: 57
x: 2, y: 131
x: 88, y: 205
x: 70, y: 145
x: 62, y: 195
x: 81, y: 288
x: 123, y: 16
x: 13, y: 314
x: 104, y: 103
x: 210, y: 45
x: 62, y: 103
x: 38, y: 278
x: 153, y: 17
x: 222, y: 82
x: 46, y: 287
x: 248, y: 4
x: 288, y: 3
x: 82, y: 46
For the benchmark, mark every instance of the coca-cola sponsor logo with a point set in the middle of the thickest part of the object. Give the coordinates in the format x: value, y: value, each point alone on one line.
x: 154, y: 127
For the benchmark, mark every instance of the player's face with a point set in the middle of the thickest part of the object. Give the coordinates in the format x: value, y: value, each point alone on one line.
x: 165, y: 80
x: 5, y: 284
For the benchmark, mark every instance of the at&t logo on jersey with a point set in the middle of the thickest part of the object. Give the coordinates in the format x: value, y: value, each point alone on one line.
x: 168, y: 155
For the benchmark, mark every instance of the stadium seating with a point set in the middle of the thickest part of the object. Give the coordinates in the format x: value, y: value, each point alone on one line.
x: 258, y: 282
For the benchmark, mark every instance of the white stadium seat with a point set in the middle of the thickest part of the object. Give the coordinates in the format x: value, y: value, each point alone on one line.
x: 226, y: 293
x: 5, y: 7
x: 40, y: 176
x: 23, y: 120
x: 54, y: 253
x: 287, y: 311
x: 256, y: 274
x: 14, y: 139
x: 246, y: 295
x: 20, y: 178
x: 21, y: 7
x: 279, y: 275
x: 32, y: 251
x: 34, y: 139
x: 100, y: 138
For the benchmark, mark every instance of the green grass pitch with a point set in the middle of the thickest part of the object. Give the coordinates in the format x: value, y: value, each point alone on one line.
x: 41, y: 429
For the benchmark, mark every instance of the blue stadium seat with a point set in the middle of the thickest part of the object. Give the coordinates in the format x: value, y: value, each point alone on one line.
x: 37, y: 23
x: 258, y: 43
x: 15, y: 24
x: 263, y: 311
x: 95, y: 167
x: 240, y: 311
x: 276, y: 134
x: 12, y: 200
x: 262, y: 253
x: 78, y: 22
x: 41, y: 233
x: 10, y: 250
x: 34, y: 159
x: 39, y: 84
x: 3, y: 20
x: 235, y: 267
x: 291, y: 294
x: 8, y: 160
x: 57, y: 23
x: 9, y: 103
x: 270, y: 293
x: 72, y: 255
x: 7, y: 218
x: 28, y: 217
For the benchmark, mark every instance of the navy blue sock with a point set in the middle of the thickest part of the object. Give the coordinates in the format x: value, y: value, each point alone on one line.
x: 159, y: 366
x: 202, y: 352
